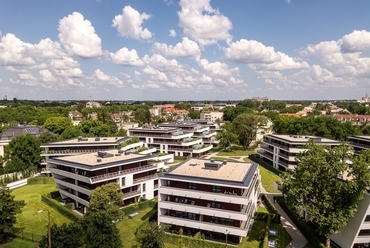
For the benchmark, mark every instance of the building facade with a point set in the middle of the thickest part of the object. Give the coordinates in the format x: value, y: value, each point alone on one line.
x: 212, y: 116
x: 281, y: 150
x: 359, y: 143
x: 76, y: 176
x: 218, y: 199
x: 171, y: 140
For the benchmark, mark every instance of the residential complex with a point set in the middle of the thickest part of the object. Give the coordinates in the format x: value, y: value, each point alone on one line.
x: 212, y: 116
x: 76, y: 176
x: 171, y: 140
x: 355, y: 119
x: 281, y: 150
x: 359, y: 143
x: 78, y: 146
x: 217, y: 198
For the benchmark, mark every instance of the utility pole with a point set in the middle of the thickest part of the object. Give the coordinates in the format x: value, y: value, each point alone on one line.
x: 49, y: 231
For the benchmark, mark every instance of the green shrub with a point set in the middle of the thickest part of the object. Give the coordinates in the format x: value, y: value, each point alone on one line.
x: 266, y: 234
x: 61, y: 209
x: 192, y: 242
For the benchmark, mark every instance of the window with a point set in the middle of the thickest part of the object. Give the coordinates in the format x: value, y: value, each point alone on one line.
x: 216, y: 189
x: 123, y: 180
x: 144, y: 187
x: 215, y: 205
x: 364, y: 232
x: 192, y: 186
x: 367, y: 218
x: 191, y: 216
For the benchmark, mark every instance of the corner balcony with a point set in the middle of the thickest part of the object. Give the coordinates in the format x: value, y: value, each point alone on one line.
x: 69, y: 183
x: 146, y: 178
x: 74, y: 197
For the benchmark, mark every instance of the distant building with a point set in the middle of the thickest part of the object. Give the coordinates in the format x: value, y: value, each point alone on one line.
x: 355, y: 119
x: 212, y: 116
x: 261, y: 99
x: 91, y: 104
x: 217, y: 198
x: 75, y: 116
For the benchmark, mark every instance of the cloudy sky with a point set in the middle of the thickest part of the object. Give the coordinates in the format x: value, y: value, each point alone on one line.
x: 184, y: 50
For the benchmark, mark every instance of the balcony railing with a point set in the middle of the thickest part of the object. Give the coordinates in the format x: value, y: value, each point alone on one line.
x: 141, y: 179
x: 131, y: 194
x: 353, y: 143
x: 67, y: 152
x: 120, y: 173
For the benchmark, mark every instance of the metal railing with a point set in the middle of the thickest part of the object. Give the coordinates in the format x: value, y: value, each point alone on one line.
x: 123, y: 172
x: 145, y: 178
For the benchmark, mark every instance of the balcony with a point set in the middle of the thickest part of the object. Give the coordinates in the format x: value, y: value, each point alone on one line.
x: 74, y: 197
x: 264, y: 154
x: 360, y: 145
x: 69, y: 152
x: 123, y: 172
x: 146, y: 178
x: 70, y: 175
x: 131, y: 194
x: 70, y: 184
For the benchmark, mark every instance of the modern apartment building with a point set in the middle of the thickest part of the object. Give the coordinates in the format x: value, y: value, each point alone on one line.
x: 212, y: 116
x: 171, y: 140
x: 281, y: 150
x: 198, y: 130
x: 359, y: 143
x: 78, y: 146
x: 76, y: 176
x: 217, y: 198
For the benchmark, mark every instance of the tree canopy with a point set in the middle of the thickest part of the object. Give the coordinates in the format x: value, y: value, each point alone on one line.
x: 9, y: 208
x: 245, y: 126
x: 327, y: 183
x: 151, y: 235
x: 57, y: 125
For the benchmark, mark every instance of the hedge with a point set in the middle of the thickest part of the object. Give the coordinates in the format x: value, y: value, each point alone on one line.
x: 266, y: 235
x: 61, y: 209
x: 272, y: 210
x: 40, y: 180
x: 302, y: 225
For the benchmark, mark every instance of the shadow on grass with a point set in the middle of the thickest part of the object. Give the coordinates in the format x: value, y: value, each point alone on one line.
x: 258, y: 231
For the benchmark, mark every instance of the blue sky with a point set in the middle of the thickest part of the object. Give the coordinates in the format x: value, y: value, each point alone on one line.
x: 185, y: 50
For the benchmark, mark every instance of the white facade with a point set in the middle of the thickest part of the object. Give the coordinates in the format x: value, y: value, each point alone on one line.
x: 216, y: 202
x: 212, y: 116
x: 3, y: 143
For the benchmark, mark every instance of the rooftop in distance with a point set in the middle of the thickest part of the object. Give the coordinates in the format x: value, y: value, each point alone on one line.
x: 92, y: 140
x: 303, y: 138
x: 94, y: 159
x: 230, y: 171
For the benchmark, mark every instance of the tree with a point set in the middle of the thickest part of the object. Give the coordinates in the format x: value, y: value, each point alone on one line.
x: 180, y: 240
x: 89, y: 127
x: 151, y: 235
x: 327, y: 183
x: 64, y: 236
x: 245, y: 127
x: 227, y: 135
x: 70, y: 133
x: 99, y: 230
x: 122, y: 132
x: 57, y: 124
x: 9, y: 208
x: 107, y: 198
x: 23, y: 152
x: 48, y: 137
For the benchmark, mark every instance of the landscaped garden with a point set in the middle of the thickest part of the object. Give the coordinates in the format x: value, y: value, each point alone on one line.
x: 236, y: 150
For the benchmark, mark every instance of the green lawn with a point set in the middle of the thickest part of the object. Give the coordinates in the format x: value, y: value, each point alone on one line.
x: 128, y: 226
x: 224, y: 158
x: 19, y: 243
x: 236, y: 151
x: 255, y: 235
x: 268, y: 179
x: 262, y: 210
x: 283, y: 238
x: 30, y: 220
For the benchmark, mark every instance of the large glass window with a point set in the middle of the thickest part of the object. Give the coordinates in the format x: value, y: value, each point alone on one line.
x: 216, y: 189
x: 367, y: 218
x: 192, y: 186
x: 364, y: 232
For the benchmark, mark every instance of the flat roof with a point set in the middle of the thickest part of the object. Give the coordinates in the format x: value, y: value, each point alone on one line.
x: 302, y: 138
x: 91, y: 140
x: 156, y: 129
x: 231, y: 171
x: 91, y: 159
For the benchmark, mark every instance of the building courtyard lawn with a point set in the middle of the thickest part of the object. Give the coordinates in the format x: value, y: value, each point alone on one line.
x: 19, y: 243
x: 30, y: 219
x: 269, y: 180
x: 236, y: 151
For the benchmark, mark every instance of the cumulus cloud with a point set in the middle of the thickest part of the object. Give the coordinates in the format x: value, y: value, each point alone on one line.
x: 357, y: 41
x: 203, y: 23
x: 101, y: 77
x: 221, y: 72
x: 129, y: 24
x: 172, y: 33
x: 78, y: 36
x: 12, y: 51
x: 186, y: 48
x: 47, y: 76
x: 125, y: 57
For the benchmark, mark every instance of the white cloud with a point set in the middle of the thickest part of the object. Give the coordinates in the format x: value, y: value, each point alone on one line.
x: 186, y: 48
x: 221, y: 72
x: 126, y: 57
x: 357, y: 41
x: 203, y: 23
x: 129, y: 24
x: 78, y: 36
x: 155, y: 74
x: 12, y: 51
x: 101, y: 77
x: 47, y: 76
x: 287, y: 1
x: 172, y: 33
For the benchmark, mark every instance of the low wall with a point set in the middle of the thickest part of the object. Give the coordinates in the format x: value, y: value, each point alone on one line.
x: 17, y: 184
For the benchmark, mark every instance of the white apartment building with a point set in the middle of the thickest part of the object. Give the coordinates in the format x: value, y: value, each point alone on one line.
x: 281, y: 150
x: 76, y: 176
x: 171, y: 140
x: 212, y: 116
x: 217, y: 198
x: 80, y: 145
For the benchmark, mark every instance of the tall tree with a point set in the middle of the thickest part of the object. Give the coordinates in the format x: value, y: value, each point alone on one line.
x: 64, y: 236
x: 227, y: 135
x: 23, y: 152
x: 150, y: 235
x: 48, y: 137
x: 245, y: 127
x: 57, y: 124
x: 9, y: 208
x: 327, y: 183
x: 107, y: 198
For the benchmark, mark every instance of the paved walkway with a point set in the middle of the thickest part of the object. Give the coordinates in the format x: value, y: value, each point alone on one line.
x: 298, y: 240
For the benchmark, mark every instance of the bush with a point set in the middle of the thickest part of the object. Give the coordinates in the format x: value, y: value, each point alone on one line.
x: 266, y: 234
x: 61, y: 209
x: 302, y: 225
x: 40, y: 180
